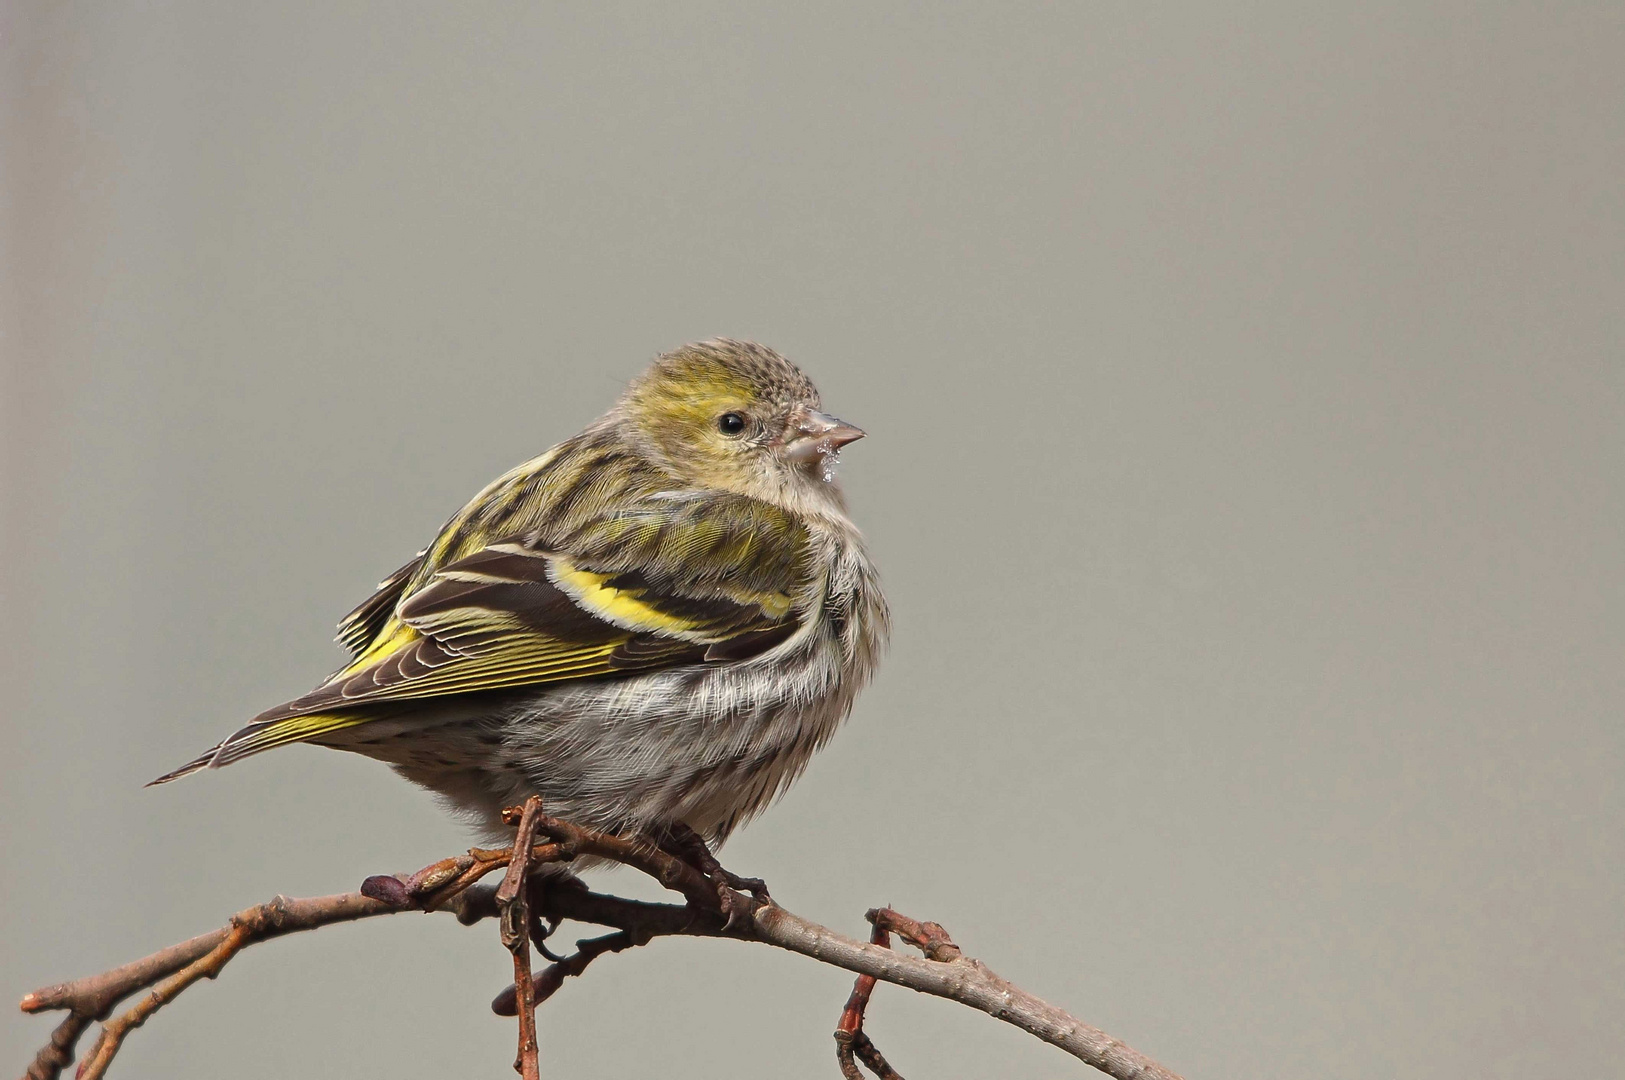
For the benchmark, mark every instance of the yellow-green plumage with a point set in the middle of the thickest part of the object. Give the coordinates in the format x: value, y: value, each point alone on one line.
x: 658, y: 545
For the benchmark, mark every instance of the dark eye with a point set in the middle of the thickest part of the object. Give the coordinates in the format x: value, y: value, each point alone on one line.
x: 731, y: 424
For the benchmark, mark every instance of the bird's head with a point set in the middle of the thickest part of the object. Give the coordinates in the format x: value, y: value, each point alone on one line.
x: 737, y: 416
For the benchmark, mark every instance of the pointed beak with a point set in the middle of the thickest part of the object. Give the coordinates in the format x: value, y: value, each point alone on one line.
x: 810, y: 435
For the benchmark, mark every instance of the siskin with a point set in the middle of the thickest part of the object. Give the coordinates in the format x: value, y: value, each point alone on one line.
x: 653, y: 626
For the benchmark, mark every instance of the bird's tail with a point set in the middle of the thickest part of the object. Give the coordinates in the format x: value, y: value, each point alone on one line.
x: 263, y: 735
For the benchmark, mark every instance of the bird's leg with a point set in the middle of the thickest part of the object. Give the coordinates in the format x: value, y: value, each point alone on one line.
x: 689, y: 846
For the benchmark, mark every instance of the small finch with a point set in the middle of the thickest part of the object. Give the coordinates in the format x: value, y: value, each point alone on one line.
x: 653, y: 626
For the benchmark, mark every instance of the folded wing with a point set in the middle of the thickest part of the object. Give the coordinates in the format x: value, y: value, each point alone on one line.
x: 672, y: 581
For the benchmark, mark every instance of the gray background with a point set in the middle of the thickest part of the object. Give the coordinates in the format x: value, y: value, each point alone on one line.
x: 1245, y: 391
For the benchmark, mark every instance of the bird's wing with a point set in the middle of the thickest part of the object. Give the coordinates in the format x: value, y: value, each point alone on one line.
x: 674, y: 580
x: 361, y: 627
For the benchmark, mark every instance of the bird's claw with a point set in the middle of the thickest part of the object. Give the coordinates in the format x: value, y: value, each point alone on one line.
x: 736, y: 910
x: 541, y: 926
x: 753, y: 885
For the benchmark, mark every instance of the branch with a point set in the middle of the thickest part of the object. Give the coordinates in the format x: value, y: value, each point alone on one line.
x: 450, y: 885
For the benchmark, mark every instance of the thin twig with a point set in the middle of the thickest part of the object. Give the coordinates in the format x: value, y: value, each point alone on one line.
x: 870, y: 1055
x: 929, y: 937
x: 546, y: 982
x: 57, y: 1054
x: 205, y: 967
x: 513, y: 911
x: 967, y: 981
x: 850, y: 1038
x: 94, y: 997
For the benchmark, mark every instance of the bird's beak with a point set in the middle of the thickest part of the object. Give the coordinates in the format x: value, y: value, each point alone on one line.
x: 810, y: 435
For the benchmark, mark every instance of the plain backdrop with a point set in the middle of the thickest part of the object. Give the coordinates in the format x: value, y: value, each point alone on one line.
x: 1245, y: 391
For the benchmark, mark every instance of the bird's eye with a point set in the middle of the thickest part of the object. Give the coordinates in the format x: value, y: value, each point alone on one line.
x: 731, y: 424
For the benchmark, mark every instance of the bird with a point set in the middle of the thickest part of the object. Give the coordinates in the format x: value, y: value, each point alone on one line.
x: 653, y: 625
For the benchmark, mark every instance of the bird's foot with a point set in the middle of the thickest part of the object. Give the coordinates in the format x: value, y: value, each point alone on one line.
x: 537, y: 889
x: 689, y: 846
